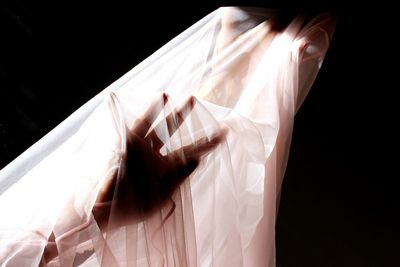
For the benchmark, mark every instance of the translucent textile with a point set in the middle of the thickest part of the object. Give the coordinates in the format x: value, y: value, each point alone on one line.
x: 247, y: 78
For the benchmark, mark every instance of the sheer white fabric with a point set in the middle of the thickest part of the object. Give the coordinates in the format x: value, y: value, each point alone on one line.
x: 245, y: 77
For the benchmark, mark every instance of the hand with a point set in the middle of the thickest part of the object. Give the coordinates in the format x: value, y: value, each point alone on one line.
x: 147, y: 179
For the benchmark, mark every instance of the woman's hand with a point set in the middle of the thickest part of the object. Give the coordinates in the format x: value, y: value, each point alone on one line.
x: 147, y: 179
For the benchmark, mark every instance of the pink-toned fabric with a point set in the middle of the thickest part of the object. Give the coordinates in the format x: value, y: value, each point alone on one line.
x: 246, y: 78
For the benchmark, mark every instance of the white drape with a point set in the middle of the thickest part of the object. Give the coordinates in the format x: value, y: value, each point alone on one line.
x: 246, y: 77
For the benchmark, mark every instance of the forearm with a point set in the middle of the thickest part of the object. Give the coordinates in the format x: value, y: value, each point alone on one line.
x: 100, y: 212
x: 50, y: 251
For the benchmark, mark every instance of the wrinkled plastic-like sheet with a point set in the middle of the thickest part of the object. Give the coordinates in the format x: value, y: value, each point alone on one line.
x: 245, y: 77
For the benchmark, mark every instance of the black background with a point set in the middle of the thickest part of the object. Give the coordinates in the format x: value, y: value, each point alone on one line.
x: 340, y: 200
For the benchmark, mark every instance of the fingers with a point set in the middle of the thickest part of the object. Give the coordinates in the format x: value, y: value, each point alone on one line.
x: 173, y: 122
x: 142, y: 127
x: 181, y: 169
x: 176, y: 118
x: 205, y: 145
x: 200, y: 147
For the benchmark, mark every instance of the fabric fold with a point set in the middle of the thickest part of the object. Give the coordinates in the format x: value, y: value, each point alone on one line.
x: 246, y: 78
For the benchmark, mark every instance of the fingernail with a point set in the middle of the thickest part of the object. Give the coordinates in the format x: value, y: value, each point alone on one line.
x: 220, y: 135
x: 224, y: 131
x: 192, y: 101
x: 165, y: 97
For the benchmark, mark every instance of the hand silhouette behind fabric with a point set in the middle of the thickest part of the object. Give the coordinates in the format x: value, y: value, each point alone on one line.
x: 147, y: 179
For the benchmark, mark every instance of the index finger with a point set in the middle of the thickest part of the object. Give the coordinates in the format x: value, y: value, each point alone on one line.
x: 143, y: 125
x: 173, y: 121
x: 200, y: 147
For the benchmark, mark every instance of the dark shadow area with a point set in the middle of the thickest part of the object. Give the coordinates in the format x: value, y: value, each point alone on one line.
x: 340, y: 196
x: 339, y: 204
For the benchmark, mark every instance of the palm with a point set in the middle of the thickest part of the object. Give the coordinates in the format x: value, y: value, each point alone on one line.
x: 147, y: 179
